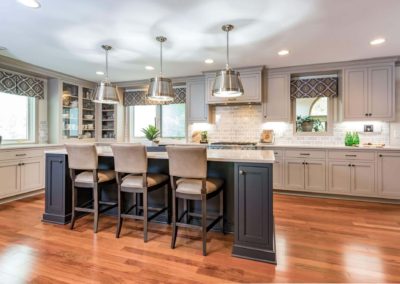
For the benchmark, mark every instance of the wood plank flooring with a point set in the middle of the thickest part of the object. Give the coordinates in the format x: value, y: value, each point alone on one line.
x: 318, y: 240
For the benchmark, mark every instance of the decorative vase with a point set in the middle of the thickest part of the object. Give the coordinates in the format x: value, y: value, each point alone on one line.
x: 307, y: 126
x: 348, y: 139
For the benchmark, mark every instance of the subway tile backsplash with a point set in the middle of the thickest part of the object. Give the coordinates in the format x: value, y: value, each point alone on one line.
x: 244, y: 124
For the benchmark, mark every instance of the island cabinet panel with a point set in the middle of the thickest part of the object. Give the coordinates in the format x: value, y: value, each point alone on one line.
x: 388, y: 174
x: 58, y: 183
x: 254, y: 233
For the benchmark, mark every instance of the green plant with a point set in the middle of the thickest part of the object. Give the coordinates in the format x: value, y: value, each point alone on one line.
x: 151, y: 132
x: 308, y: 123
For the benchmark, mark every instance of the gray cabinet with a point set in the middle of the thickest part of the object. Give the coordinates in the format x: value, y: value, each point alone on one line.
x: 369, y: 92
x: 196, y: 100
x: 254, y: 231
x: 276, y: 101
x: 388, y: 174
x: 305, y: 174
x: 252, y: 86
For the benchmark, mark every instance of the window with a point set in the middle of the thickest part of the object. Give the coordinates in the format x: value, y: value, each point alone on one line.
x: 170, y: 119
x: 312, y: 114
x: 17, y: 118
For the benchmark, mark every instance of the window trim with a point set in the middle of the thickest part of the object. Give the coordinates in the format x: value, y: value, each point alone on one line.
x: 32, y: 122
x: 330, y: 120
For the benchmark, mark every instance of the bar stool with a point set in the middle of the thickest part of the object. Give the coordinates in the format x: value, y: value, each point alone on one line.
x: 83, y: 168
x: 188, y: 173
x: 130, y: 162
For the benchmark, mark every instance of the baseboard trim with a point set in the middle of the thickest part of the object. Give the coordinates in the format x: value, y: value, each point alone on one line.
x: 21, y: 196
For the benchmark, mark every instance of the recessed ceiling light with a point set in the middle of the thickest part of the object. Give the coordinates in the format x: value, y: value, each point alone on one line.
x: 377, y: 41
x: 148, y: 67
x: 283, y: 52
x: 209, y: 61
x: 30, y: 3
x: 99, y: 72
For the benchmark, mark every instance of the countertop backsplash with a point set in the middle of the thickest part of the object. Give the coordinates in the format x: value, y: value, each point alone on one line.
x: 243, y: 123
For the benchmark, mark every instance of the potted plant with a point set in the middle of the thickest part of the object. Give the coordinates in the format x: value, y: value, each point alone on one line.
x: 305, y: 124
x: 152, y: 133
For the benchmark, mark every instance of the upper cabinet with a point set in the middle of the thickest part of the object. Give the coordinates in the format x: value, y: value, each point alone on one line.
x: 197, y: 109
x: 369, y: 92
x: 276, y: 102
x: 252, y: 86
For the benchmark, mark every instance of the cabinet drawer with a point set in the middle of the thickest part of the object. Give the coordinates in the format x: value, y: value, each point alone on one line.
x: 20, y: 154
x: 306, y: 153
x: 351, y: 155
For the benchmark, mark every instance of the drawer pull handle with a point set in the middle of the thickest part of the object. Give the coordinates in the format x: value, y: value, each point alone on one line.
x: 305, y: 154
x: 348, y: 155
x: 389, y: 156
x: 20, y: 155
x: 275, y: 153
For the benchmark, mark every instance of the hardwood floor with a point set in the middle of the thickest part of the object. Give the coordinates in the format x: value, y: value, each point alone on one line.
x: 318, y: 240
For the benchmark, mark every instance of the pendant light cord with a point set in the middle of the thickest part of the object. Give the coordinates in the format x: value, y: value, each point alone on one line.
x: 227, y: 50
x: 106, y: 64
x: 161, y: 67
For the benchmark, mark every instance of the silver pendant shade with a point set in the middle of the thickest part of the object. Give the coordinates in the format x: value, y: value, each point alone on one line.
x: 227, y: 83
x: 160, y: 89
x: 106, y: 93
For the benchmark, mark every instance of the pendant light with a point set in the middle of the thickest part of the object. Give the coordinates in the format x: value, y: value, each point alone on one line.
x: 106, y: 93
x: 160, y: 89
x: 227, y: 84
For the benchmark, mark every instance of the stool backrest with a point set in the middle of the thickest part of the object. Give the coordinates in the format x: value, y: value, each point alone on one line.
x: 130, y: 158
x: 82, y: 156
x: 187, y: 161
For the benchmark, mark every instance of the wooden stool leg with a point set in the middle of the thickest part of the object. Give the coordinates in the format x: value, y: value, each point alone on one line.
x: 174, y: 227
x: 96, y: 207
x: 204, y: 223
x: 74, y: 199
x: 221, y: 211
x: 119, y: 212
x: 145, y: 214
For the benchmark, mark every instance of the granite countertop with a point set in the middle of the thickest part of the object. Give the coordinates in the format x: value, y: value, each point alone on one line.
x: 329, y: 147
x: 222, y: 155
x: 27, y: 146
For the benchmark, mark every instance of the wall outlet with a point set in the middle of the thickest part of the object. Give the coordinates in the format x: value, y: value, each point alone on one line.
x: 368, y: 128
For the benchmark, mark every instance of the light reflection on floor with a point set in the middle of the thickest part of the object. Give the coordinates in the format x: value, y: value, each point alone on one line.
x: 16, y: 263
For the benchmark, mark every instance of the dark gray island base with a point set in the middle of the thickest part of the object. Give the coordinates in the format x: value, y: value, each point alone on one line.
x: 248, y: 198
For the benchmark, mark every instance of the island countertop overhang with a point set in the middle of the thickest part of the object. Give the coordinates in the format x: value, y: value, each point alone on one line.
x: 220, y: 155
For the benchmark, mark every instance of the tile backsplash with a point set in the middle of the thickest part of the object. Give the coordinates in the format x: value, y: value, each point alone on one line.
x: 244, y: 124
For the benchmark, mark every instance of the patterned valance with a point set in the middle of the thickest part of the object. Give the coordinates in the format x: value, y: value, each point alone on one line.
x: 314, y: 87
x: 136, y: 98
x: 22, y: 85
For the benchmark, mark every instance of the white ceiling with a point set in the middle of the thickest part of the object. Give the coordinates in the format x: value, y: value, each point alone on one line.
x: 65, y: 35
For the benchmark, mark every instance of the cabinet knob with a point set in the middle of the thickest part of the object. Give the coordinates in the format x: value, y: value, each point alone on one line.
x: 60, y: 161
x: 349, y: 165
x: 241, y: 172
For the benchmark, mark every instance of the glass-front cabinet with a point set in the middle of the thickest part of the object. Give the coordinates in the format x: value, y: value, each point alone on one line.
x: 88, y: 114
x: 70, y: 111
x: 108, y: 122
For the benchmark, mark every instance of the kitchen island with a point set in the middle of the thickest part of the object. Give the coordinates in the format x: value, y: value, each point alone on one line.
x: 248, y: 194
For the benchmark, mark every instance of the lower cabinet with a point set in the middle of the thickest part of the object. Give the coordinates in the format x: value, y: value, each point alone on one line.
x: 254, y: 227
x: 278, y: 176
x: 353, y: 177
x: 10, y: 178
x: 388, y: 174
x: 305, y: 174
x: 20, y: 176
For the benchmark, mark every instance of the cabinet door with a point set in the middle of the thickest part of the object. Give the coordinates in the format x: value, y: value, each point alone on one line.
x: 197, y: 108
x: 278, y: 170
x: 276, y: 104
x: 355, y: 93
x: 294, y: 174
x: 315, y: 175
x: 253, y: 205
x: 380, y: 92
x: 363, y: 178
x: 339, y: 176
x: 10, y: 178
x: 252, y: 87
x: 32, y: 174
x: 388, y: 174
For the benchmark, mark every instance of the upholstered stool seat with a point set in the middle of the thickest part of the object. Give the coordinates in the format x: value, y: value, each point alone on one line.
x: 193, y: 186
x: 136, y: 181
x: 84, y: 172
x: 189, y: 181
x: 87, y: 176
x: 130, y: 162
